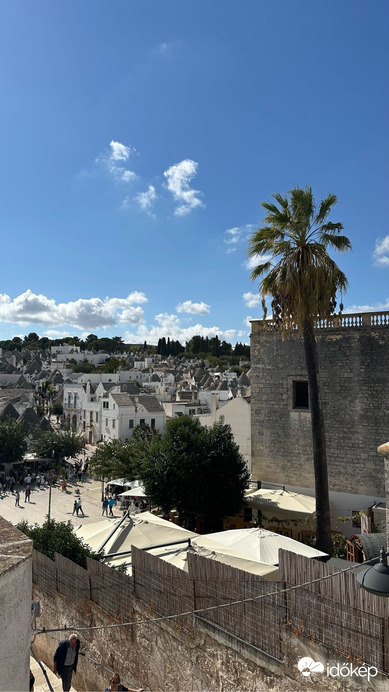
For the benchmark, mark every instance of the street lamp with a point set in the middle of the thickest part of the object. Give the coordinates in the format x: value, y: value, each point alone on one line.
x: 375, y: 579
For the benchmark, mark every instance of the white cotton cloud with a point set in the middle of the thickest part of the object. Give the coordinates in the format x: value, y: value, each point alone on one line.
x: 234, y: 236
x: 109, y: 161
x: 178, y: 178
x: 374, y: 307
x: 251, y: 299
x: 253, y: 262
x: 168, y: 325
x: 119, y: 152
x: 147, y: 199
x: 381, y: 252
x: 193, y: 308
x: 84, y: 313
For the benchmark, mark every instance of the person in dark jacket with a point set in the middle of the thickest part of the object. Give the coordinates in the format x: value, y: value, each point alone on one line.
x: 66, y: 659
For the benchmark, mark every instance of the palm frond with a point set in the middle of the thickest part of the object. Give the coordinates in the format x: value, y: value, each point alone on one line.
x: 325, y: 208
x: 340, y: 242
x: 259, y: 270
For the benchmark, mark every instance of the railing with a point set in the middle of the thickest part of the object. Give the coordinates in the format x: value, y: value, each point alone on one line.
x: 343, y: 321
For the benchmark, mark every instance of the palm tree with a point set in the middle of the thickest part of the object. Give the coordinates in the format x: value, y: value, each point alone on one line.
x: 302, y: 280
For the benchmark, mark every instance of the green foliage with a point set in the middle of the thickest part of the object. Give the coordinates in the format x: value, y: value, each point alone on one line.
x: 12, y: 441
x: 196, y: 470
x: 57, y: 408
x: 123, y: 458
x: 58, y: 537
x: 64, y: 444
x: 300, y: 277
x: 339, y: 542
x: 85, y: 366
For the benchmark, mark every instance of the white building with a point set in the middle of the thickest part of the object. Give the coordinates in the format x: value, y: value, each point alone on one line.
x: 236, y: 413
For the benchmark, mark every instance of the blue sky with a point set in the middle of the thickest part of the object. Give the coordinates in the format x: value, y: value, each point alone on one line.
x: 138, y: 139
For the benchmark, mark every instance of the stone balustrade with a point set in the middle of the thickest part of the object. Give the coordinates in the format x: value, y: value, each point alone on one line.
x: 337, y: 321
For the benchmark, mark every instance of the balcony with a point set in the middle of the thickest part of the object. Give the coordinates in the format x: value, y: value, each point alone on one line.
x: 355, y: 320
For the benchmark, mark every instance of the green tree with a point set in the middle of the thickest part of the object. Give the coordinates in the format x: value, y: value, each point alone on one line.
x: 64, y: 443
x: 197, y: 471
x: 12, y: 441
x: 303, y: 281
x: 57, y: 408
x: 123, y: 458
x: 58, y: 537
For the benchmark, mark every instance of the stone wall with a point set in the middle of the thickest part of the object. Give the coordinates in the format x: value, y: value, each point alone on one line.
x: 354, y: 375
x: 15, y: 610
x: 136, y: 628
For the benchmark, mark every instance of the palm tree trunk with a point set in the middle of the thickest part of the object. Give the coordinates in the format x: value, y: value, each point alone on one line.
x: 323, y: 516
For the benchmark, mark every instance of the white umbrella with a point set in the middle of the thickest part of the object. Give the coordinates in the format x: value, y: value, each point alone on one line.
x: 134, y: 492
x: 284, y: 500
x: 257, y: 544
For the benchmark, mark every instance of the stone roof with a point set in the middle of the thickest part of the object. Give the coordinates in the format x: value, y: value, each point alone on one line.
x: 29, y: 420
x: 123, y: 399
x: 129, y: 387
x: 45, y: 425
x: 150, y: 403
x: 7, y: 410
x: 243, y: 380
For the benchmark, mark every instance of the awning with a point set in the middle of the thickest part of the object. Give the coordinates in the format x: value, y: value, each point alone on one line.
x: 278, y: 499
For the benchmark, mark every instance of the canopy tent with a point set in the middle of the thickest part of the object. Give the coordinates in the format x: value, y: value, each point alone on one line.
x: 142, y: 530
x: 119, y: 481
x: 150, y: 532
x: 258, y: 544
x: 134, y: 492
x: 284, y: 500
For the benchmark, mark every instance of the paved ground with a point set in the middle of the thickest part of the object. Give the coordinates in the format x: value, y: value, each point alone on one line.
x: 40, y: 680
x: 36, y: 510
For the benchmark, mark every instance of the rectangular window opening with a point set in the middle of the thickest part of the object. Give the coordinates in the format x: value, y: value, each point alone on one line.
x: 300, y: 394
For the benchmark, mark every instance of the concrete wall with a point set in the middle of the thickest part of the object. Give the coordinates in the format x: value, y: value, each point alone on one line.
x: 237, y: 414
x: 15, y: 610
x: 354, y: 373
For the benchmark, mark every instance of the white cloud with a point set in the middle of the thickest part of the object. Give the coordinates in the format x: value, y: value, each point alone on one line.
x: 109, y: 161
x: 253, y: 262
x: 84, y: 313
x: 119, y: 152
x: 56, y: 334
x: 193, y: 308
x: 178, y: 178
x: 236, y: 235
x: 251, y: 299
x: 375, y: 307
x: 170, y: 326
x: 147, y: 199
x: 381, y: 252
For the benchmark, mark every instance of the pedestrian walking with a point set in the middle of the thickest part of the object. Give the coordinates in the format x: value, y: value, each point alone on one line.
x: 27, y: 494
x: 12, y: 485
x: 66, y: 659
x: 116, y: 686
x: 63, y: 486
x: 17, y: 499
x: 105, y: 507
x: 111, y: 503
x: 75, y: 507
x: 80, y: 507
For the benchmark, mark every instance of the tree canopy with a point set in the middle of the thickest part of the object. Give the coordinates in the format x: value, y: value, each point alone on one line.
x: 58, y: 537
x: 12, y: 441
x: 123, y: 458
x: 64, y: 444
x: 197, y: 471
